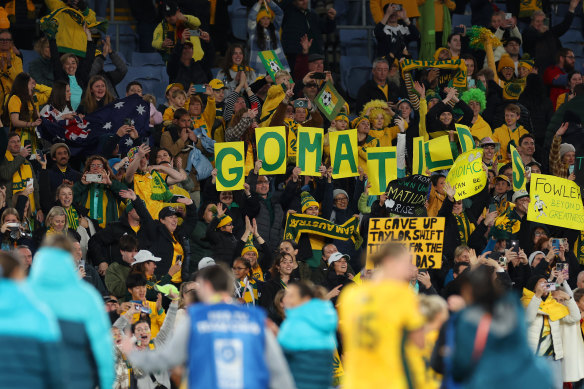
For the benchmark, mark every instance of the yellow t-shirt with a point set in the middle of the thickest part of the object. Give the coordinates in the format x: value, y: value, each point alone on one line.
x: 374, y: 319
x: 26, y: 133
x: 178, y: 250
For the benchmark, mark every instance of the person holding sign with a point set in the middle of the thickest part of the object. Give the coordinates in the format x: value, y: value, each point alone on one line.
x: 461, y: 226
x: 373, y: 335
x: 440, y: 117
x: 380, y: 115
x: 303, y: 109
x: 490, y: 149
x: 364, y: 140
x: 271, y: 216
x: 263, y: 25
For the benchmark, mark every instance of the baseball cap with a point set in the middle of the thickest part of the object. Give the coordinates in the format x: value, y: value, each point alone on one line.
x: 504, y: 178
x: 170, y: 8
x: 519, y: 195
x: 206, y: 262
x: 143, y: 256
x: 512, y: 39
x: 337, y: 256
x: 217, y: 84
x: 315, y: 57
x: 166, y: 212
x: 174, y: 84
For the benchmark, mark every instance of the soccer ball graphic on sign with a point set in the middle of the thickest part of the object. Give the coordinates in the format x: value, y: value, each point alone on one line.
x: 274, y: 66
x: 327, y: 98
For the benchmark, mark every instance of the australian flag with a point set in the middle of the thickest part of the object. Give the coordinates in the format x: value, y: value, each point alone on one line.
x: 87, y: 135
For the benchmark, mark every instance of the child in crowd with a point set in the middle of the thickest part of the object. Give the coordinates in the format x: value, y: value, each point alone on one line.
x: 177, y: 100
x: 509, y: 133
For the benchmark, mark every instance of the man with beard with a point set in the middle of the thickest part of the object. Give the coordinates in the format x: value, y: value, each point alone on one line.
x: 61, y: 172
x: 556, y: 76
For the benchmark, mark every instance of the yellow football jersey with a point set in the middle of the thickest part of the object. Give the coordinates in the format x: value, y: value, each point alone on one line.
x: 375, y: 319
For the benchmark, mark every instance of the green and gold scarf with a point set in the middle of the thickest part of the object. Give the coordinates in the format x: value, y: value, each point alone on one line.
x: 298, y: 223
x: 459, y: 80
x: 72, y: 217
x: 159, y: 188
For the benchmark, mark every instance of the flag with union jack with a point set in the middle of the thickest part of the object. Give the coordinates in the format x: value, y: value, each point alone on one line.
x: 87, y: 134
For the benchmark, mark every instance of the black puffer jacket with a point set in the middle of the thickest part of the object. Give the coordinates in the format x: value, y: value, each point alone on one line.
x: 155, y: 237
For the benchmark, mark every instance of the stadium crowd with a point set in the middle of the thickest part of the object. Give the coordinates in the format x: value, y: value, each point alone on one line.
x: 124, y: 264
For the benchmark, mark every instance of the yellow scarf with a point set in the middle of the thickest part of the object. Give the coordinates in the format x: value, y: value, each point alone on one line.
x: 275, y: 96
x: 292, y: 135
x: 237, y: 68
x: 257, y: 273
x: 550, y: 306
x: 20, y: 179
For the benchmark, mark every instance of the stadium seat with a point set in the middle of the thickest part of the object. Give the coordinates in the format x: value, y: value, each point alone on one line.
x: 355, y: 70
x: 458, y: 19
x: 238, y: 15
x: 153, y: 79
x: 146, y: 59
x: 354, y: 42
x: 27, y: 57
x: 128, y: 40
x: 572, y: 36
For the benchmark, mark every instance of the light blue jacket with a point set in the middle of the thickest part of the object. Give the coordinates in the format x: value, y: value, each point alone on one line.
x: 31, y: 340
x: 84, y: 323
x: 310, y: 326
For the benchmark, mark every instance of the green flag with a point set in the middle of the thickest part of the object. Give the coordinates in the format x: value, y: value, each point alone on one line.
x: 329, y: 101
x: 271, y: 62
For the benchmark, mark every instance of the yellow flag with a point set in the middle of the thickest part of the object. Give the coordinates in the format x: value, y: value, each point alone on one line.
x: 382, y: 168
x: 438, y: 153
x: 344, y: 153
x: 465, y: 137
x: 518, y: 170
x: 229, y: 163
x: 271, y: 147
x: 555, y: 201
x: 467, y: 175
x: 419, y: 159
x: 309, y: 146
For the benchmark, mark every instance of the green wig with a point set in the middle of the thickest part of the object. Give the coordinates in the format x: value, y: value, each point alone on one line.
x: 475, y: 94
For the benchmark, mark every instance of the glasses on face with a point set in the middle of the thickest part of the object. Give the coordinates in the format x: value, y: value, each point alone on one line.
x: 311, y: 85
x: 339, y: 199
x: 229, y: 225
x: 539, y: 233
x: 266, y: 182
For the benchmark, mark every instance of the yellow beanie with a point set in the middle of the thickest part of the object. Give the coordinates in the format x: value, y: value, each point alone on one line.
x: 307, y: 201
x: 249, y: 246
x: 505, y: 62
x: 224, y: 220
x: 264, y: 12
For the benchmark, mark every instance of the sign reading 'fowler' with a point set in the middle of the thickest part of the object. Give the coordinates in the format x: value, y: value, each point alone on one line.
x: 423, y: 235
